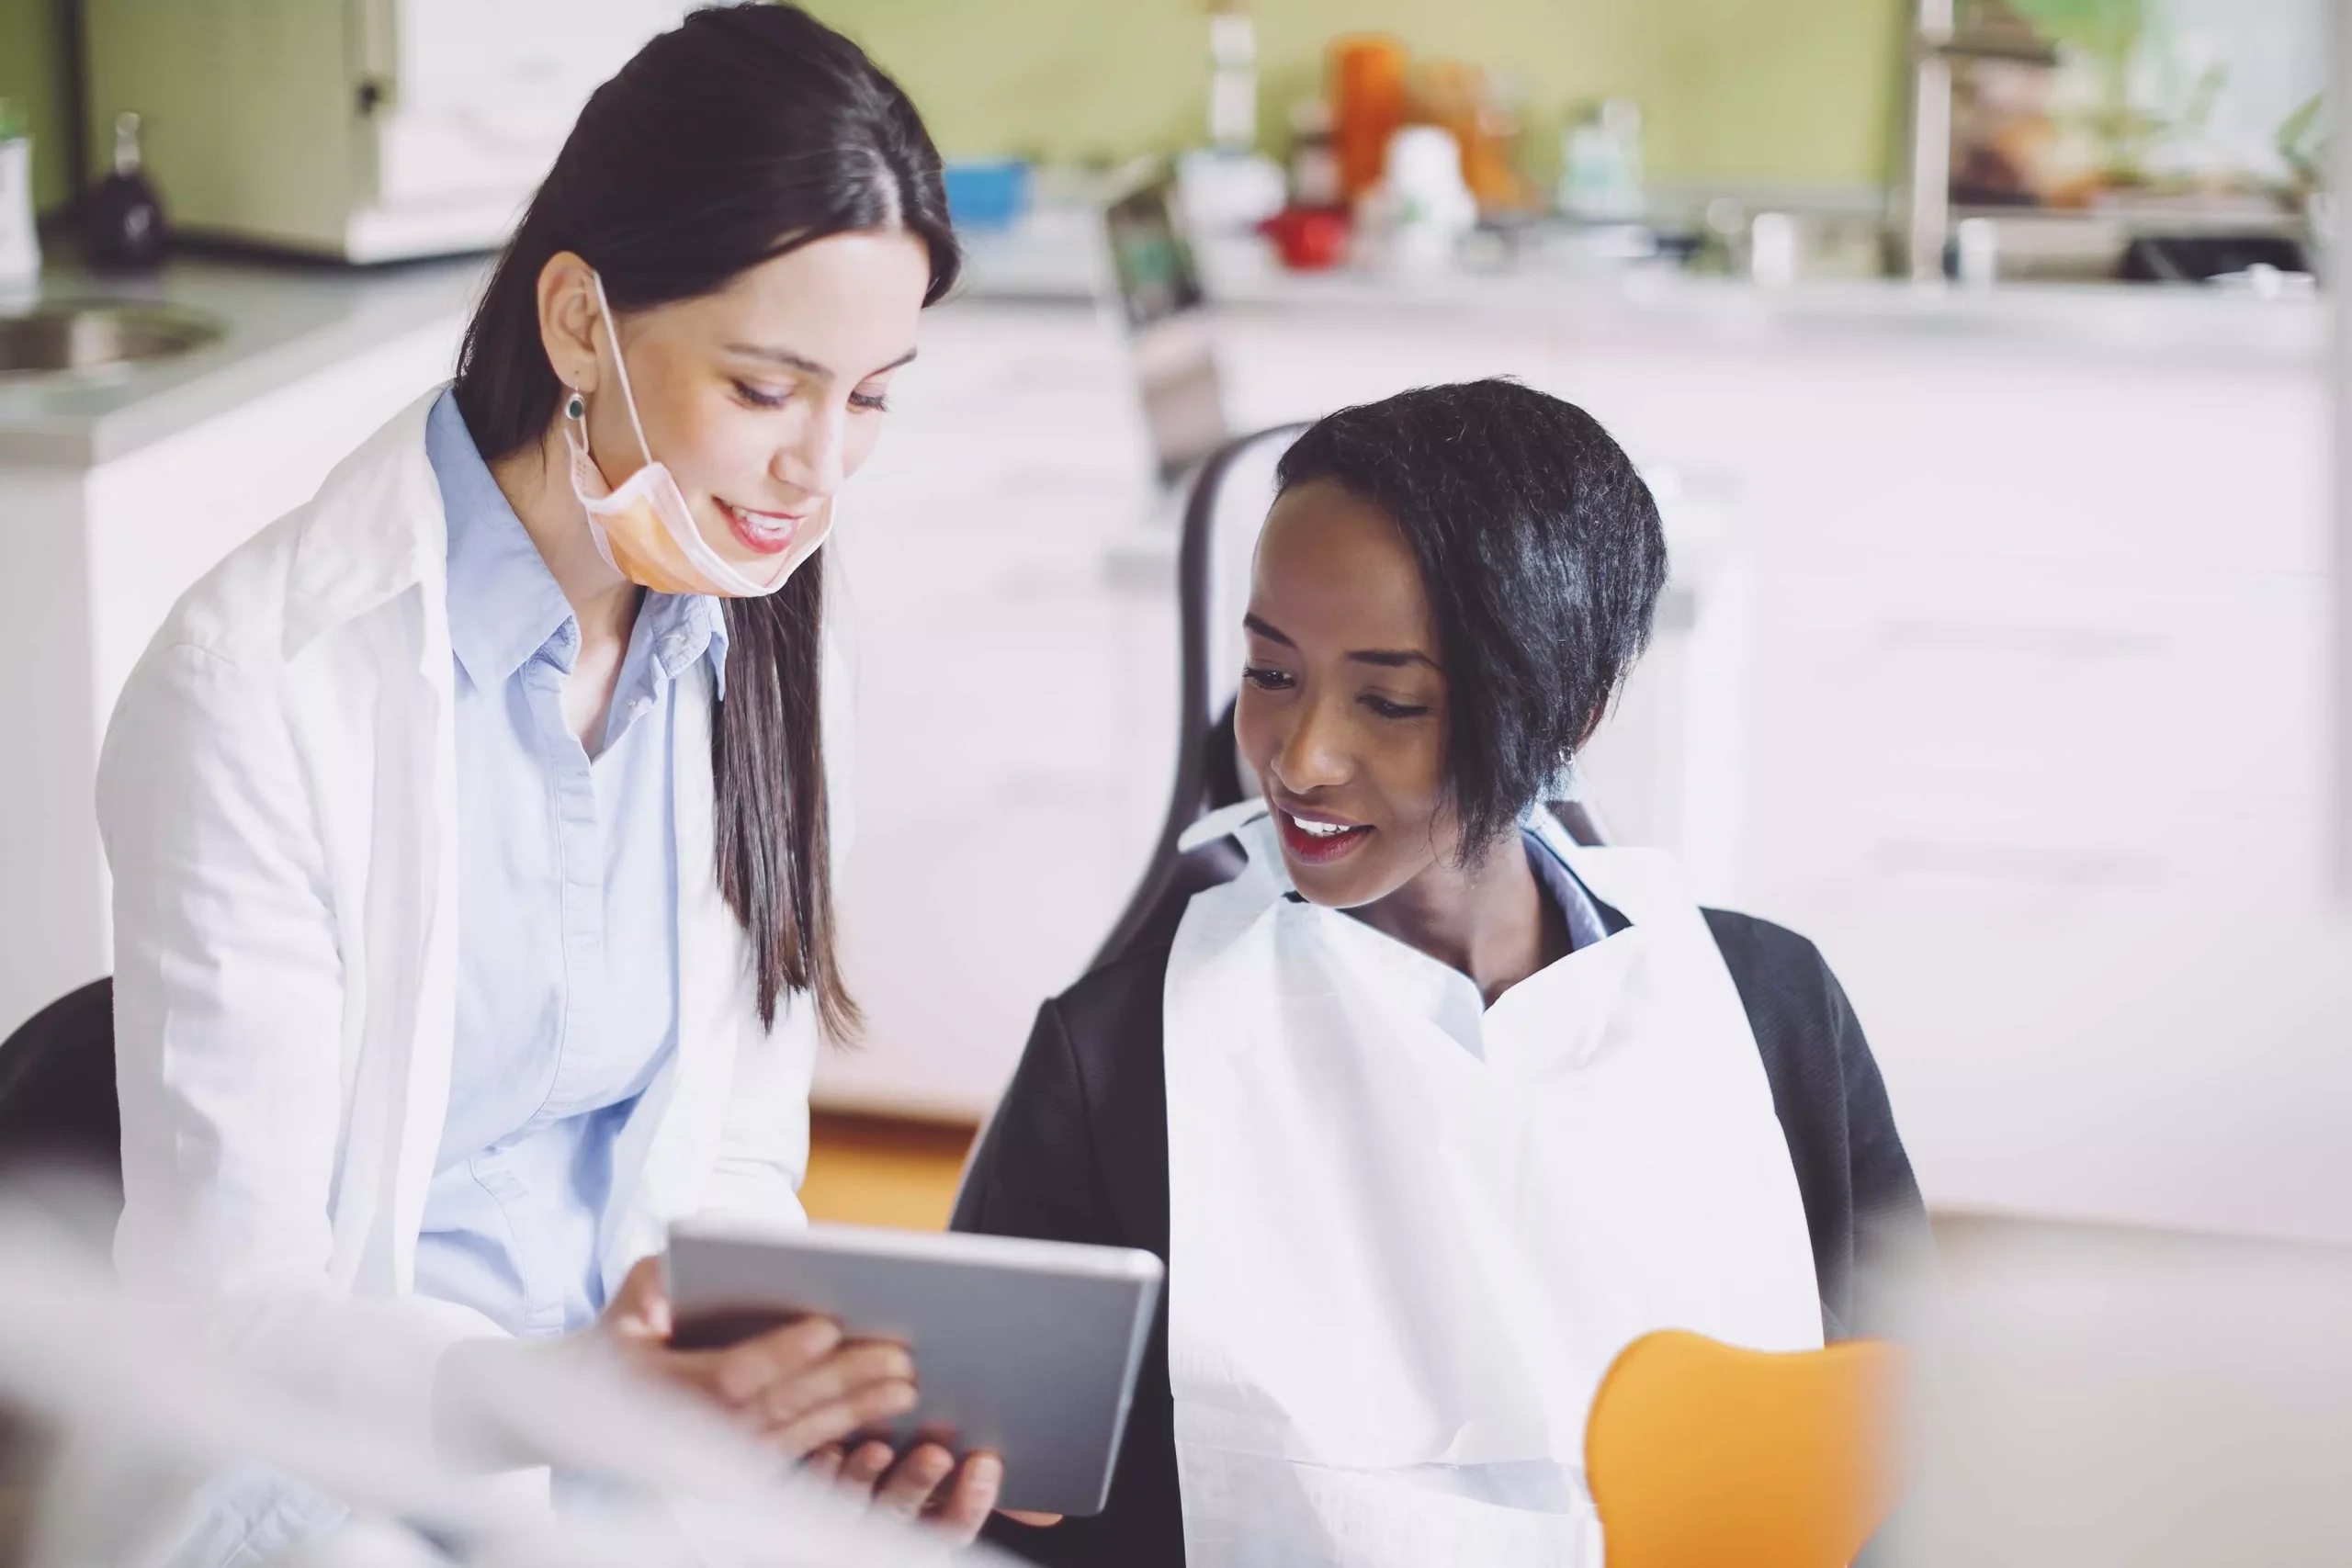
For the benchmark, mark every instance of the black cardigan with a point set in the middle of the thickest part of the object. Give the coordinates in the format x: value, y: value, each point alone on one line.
x: 1078, y: 1151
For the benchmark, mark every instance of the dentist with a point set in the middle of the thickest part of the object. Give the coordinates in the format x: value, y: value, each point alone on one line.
x: 473, y: 827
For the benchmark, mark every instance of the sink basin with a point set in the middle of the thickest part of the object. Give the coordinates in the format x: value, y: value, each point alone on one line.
x: 93, y: 335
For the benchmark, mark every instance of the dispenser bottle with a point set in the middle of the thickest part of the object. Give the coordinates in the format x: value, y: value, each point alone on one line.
x: 124, y: 222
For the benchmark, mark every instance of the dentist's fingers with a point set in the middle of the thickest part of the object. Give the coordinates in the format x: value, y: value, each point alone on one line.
x: 907, y: 1490
x: 639, y: 1310
x: 745, y: 1373
x: 868, y: 1406
x: 866, y: 1465
x: 979, y: 1480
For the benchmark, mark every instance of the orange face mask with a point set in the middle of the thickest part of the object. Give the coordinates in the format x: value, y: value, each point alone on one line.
x: 645, y: 530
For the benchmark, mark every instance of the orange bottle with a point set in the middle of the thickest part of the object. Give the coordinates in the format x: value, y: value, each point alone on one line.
x: 1367, y: 106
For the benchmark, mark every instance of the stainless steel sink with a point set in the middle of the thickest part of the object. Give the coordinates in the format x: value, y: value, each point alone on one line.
x: 94, y: 334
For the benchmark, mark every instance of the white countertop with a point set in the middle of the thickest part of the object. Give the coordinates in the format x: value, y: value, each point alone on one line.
x: 1056, y: 253
x: 2173, y: 323
x: 281, y: 320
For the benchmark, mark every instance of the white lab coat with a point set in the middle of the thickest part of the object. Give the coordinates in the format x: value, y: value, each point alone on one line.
x: 278, y: 794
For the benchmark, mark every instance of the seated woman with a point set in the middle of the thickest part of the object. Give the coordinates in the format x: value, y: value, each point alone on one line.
x: 1430, y: 1109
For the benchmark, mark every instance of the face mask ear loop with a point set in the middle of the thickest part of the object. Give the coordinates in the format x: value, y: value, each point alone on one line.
x: 613, y: 331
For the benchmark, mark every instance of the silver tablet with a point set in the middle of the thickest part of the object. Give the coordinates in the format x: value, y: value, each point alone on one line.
x: 1028, y: 1348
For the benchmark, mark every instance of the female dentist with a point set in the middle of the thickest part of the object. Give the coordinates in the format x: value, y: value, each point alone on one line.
x: 472, y: 827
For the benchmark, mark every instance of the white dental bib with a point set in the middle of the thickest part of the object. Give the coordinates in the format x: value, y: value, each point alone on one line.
x: 1408, y: 1233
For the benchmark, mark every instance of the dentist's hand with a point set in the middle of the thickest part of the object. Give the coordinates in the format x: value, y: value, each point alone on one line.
x: 926, y: 1483
x: 807, y: 1392
x: 799, y: 1387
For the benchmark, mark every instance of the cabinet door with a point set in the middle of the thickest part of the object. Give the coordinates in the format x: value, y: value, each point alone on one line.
x: 1013, y: 702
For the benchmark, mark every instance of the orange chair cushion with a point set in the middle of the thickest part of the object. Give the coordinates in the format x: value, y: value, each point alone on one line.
x: 1701, y: 1455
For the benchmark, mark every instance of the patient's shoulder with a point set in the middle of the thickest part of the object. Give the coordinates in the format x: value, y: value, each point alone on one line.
x: 1758, y: 950
x: 1117, y: 1002
x: 1802, y: 1022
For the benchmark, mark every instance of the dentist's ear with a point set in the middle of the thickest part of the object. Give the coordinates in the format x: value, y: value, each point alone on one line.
x: 569, y: 320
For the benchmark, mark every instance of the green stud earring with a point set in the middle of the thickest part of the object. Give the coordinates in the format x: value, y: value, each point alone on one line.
x: 576, y: 407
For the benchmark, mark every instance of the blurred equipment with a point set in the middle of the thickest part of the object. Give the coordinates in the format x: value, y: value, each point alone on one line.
x: 1221, y: 193
x: 1476, y: 106
x: 1314, y: 157
x: 373, y: 131
x: 57, y: 1098
x: 2185, y: 119
x: 2157, y: 1398
x: 987, y: 194
x: 1699, y: 1452
x: 122, y: 219
x: 19, y: 243
x: 1308, y: 239
x: 1367, y: 87
x: 1422, y: 207
x: 1773, y: 250
x: 1600, y: 177
x: 2202, y: 258
x: 1163, y: 304
x: 1233, y: 77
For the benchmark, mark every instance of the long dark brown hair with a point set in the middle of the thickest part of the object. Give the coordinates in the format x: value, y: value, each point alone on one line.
x: 746, y: 133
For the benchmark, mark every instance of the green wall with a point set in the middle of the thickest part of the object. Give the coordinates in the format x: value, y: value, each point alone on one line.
x: 1749, y: 91
x: 1745, y: 91
x: 32, y: 78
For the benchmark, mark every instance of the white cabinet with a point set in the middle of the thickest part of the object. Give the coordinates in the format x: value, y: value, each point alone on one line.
x: 1016, y: 708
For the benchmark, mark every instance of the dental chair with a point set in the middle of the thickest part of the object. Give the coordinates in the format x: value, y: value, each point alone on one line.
x: 57, y: 1096
x: 1223, y: 513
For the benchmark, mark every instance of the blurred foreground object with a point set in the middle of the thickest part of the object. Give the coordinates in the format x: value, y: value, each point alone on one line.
x: 149, y: 1424
x: 2106, y: 1396
x: 1700, y: 1453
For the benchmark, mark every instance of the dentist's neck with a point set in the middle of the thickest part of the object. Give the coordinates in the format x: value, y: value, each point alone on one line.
x: 537, y: 484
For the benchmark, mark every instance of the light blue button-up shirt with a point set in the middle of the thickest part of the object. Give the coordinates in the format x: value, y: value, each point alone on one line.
x: 566, y: 913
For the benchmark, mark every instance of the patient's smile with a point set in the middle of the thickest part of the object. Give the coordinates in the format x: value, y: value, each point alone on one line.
x: 1318, y: 841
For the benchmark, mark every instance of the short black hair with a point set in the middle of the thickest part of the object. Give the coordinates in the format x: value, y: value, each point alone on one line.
x: 1543, y: 558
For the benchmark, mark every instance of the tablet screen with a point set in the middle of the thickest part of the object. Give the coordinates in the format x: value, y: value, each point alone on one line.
x: 1027, y: 1348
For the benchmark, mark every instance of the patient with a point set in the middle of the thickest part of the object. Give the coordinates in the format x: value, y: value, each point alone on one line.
x: 1430, y: 1109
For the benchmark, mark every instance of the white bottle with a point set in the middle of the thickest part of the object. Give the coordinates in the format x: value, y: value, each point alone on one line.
x: 19, y: 245
x: 1411, y: 221
x: 1232, y: 80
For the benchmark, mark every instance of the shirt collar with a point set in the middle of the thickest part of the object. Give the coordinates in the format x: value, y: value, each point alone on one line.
x: 1589, y: 918
x: 505, y: 605
x: 683, y: 627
